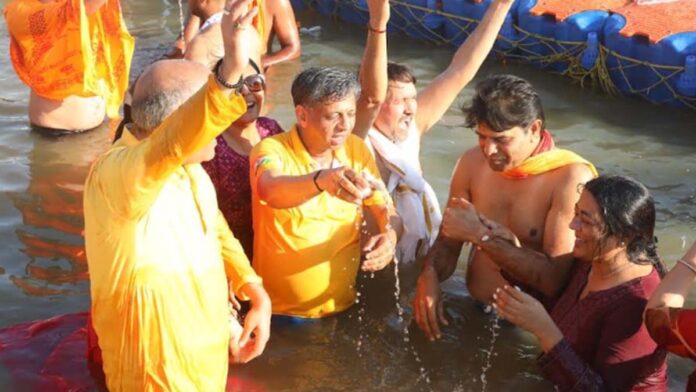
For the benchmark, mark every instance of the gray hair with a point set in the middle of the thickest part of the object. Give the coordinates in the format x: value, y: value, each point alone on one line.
x: 323, y: 85
x: 148, y: 113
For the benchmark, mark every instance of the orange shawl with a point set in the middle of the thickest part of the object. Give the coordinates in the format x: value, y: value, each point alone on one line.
x: 546, y: 158
x: 58, y: 51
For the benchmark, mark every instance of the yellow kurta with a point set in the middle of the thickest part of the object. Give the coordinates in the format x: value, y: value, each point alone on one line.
x: 308, y: 256
x: 160, y: 255
x: 58, y: 50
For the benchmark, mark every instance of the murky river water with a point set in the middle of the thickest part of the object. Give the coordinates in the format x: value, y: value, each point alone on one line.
x: 43, y: 269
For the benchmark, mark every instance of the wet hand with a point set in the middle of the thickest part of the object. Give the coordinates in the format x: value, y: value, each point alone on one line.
x: 378, y: 252
x: 527, y: 313
x: 427, y: 305
x: 495, y: 229
x: 256, y: 323
x: 235, y: 334
x: 461, y: 221
x: 344, y: 184
x: 240, y: 38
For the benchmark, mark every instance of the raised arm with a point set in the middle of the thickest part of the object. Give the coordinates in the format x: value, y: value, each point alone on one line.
x: 675, y: 286
x: 437, y: 97
x: 285, y: 28
x: 142, y: 170
x: 373, y: 68
x: 545, y: 271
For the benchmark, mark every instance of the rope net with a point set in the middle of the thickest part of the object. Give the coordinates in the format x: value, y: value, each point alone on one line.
x: 588, y: 65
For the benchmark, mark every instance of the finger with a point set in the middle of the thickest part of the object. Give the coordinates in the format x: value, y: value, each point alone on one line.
x: 259, y: 344
x: 517, y: 294
x: 349, y: 189
x: 441, y: 312
x: 380, y: 248
x: 250, y: 324
x: 424, y: 324
x: 432, y: 319
x: 370, y: 244
x: 235, y: 303
x: 377, y: 264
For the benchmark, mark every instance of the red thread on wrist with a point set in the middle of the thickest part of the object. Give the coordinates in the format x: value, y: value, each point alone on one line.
x: 369, y: 27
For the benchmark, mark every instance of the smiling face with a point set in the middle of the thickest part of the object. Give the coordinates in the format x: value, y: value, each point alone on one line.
x: 326, y: 125
x: 254, y: 93
x: 591, y: 240
x: 508, y: 149
x: 399, y: 109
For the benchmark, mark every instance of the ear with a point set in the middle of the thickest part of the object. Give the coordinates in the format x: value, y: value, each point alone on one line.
x: 536, y: 127
x: 301, y: 115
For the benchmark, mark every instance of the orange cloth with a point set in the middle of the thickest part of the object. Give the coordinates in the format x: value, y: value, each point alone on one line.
x: 161, y: 255
x: 546, y: 157
x: 561, y: 9
x: 58, y: 50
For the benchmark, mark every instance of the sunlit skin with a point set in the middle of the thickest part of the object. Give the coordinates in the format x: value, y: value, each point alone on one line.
x: 591, y: 242
x: 325, y: 126
x: 398, y: 111
x: 508, y: 149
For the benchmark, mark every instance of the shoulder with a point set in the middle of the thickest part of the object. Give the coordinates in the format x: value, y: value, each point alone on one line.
x: 273, y: 144
x: 576, y: 172
x: 470, y: 159
x: 268, y: 126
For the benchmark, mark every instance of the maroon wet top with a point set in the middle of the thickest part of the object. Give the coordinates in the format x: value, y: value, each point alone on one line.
x: 229, y: 171
x: 606, y: 346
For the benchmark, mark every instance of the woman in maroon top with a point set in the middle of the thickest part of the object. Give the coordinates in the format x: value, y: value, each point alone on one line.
x: 594, y: 338
x: 229, y: 170
x: 669, y: 324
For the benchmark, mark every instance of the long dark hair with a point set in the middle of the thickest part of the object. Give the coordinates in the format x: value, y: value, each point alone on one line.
x: 628, y: 211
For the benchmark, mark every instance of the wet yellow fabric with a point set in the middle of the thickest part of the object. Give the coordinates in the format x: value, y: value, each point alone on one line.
x: 547, y: 161
x: 160, y: 255
x: 308, y: 256
x: 58, y: 50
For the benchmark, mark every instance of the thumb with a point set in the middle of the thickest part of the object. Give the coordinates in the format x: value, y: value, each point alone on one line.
x: 246, y: 333
x: 370, y: 243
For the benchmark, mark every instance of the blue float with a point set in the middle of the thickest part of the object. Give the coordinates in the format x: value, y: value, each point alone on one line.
x: 550, y: 44
x: 629, y: 61
x: 466, y: 15
x: 413, y: 18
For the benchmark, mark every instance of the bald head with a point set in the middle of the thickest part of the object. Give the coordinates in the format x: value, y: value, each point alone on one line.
x: 162, y: 88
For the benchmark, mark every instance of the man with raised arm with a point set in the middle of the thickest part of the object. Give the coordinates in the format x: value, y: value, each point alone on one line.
x: 394, y: 134
x: 163, y: 263
x: 75, y: 57
x: 512, y: 198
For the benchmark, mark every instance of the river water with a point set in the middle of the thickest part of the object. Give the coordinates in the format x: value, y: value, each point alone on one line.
x: 43, y: 269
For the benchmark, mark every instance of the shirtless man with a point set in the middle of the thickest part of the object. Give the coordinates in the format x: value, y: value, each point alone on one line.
x: 514, y: 188
x: 67, y: 95
x: 204, y: 43
x: 394, y: 134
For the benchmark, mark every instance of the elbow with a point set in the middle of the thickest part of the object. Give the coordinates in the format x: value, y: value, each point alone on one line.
x: 295, y: 51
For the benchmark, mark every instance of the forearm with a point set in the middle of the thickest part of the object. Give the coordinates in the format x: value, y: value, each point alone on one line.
x: 373, y: 78
x: 675, y: 286
x: 530, y: 267
x: 255, y: 293
x: 443, y: 257
x: 469, y: 57
x: 287, y: 191
x: 285, y: 53
x: 565, y: 369
x: 193, y: 25
x: 386, y: 219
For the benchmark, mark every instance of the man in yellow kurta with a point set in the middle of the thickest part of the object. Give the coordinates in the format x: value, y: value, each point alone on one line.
x: 75, y: 56
x: 310, y: 188
x: 162, y: 260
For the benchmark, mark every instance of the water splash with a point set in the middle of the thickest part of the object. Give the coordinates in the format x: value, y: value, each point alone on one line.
x: 489, y: 353
x: 181, y: 19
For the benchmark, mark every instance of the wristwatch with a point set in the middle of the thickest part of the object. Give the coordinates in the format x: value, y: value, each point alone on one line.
x: 237, y: 87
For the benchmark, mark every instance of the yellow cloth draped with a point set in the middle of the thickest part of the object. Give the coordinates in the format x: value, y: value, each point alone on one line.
x: 58, y: 50
x: 308, y: 256
x: 547, y: 161
x: 161, y: 255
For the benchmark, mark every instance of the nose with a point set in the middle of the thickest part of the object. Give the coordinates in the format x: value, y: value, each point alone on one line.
x: 489, y: 147
x: 574, y: 224
x: 343, y: 123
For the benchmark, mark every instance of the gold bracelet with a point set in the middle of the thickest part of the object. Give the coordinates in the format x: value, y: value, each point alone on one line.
x: 687, y: 265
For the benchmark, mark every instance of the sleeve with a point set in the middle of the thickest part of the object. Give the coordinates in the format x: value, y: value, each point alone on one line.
x: 625, y: 355
x: 237, y: 266
x: 133, y: 176
x: 265, y: 156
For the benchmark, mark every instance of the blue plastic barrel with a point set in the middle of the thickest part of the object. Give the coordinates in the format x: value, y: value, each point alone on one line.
x: 636, y: 77
x: 462, y: 17
x: 327, y: 7
x: 298, y: 5
x: 353, y: 11
x: 543, y: 37
x: 417, y: 22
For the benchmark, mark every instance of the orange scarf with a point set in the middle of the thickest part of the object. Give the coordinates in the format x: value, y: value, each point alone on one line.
x: 58, y: 51
x: 546, y: 158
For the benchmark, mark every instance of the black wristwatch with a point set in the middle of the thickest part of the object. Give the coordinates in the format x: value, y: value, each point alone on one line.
x: 237, y: 87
